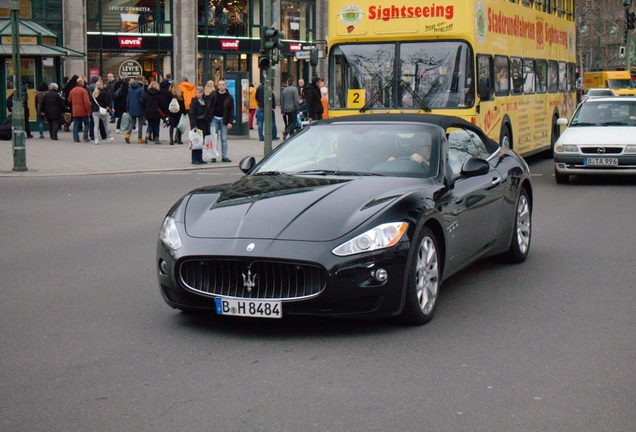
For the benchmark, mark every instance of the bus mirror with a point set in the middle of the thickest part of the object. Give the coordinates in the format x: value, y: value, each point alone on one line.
x: 313, y: 57
x: 484, y: 89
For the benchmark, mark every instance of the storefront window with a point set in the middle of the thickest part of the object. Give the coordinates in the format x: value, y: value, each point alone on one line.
x: 294, y: 20
x: 129, y: 16
x: 223, y: 17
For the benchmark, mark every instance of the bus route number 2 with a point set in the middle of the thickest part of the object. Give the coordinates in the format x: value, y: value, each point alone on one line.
x: 356, y: 98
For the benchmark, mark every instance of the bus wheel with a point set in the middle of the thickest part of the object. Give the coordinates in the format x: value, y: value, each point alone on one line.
x: 504, y: 138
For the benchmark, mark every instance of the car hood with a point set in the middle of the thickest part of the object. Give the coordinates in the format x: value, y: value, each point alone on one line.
x: 291, y: 207
x: 599, y: 135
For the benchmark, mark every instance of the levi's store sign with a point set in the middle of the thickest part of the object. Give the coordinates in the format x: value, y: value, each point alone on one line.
x: 229, y: 45
x: 129, y: 42
x: 294, y: 47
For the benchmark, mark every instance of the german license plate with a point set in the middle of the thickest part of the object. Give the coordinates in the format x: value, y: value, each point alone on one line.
x: 249, y: 308
x: 601, y: 161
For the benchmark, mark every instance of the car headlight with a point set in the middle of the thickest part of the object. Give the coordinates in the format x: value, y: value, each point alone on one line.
x: 630, y: 149
x: 563, y: 148
x: 169, y: 234
x: 380, y: 237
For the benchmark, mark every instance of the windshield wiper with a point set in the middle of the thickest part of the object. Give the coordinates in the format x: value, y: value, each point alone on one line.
x: 420, y: 101
x: 269, y: 173
x: 338, y: 172
x: 376, y: 97
x: 583, y: 124
x: 614, y: 123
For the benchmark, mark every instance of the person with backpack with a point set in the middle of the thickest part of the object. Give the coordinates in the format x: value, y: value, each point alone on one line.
x: 176, y: 109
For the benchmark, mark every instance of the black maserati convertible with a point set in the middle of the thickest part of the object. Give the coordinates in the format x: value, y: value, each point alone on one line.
x: 363, y: 215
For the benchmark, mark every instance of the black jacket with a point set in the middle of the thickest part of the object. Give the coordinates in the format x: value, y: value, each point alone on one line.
x: 314, y: 101
x: 199, y: 116
x: 53, y: 105
x: 103, y: 99
x: 153, y: 102
x: 228, y: 108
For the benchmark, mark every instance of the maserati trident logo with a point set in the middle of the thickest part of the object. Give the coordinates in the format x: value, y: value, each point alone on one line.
x: 249, y: 281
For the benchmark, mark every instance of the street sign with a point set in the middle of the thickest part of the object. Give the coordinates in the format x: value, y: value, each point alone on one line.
x: 303, y: 55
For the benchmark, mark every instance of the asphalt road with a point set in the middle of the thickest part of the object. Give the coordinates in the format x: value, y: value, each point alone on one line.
x: 87, y: 344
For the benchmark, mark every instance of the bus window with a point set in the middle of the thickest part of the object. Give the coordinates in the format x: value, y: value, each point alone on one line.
x: 485, y: 76
x: 571, y: 77
x: 563, y: 79
x: 553, y: 76
x: 516, y: 75
x: 502, y: 76
x: 435, y: 75
x: 366, y: 67
x: 529, y: 76
x: 541, y: 68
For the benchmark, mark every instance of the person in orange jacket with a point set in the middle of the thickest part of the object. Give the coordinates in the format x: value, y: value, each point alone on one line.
x: 187, y: 88
x: 325, y: 102
x: 81, y: 106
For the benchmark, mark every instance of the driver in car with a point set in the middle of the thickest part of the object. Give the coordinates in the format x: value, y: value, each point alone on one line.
x: 416, y: 148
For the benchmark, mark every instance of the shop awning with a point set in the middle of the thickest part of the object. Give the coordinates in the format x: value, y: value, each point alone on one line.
x: 35, y: 40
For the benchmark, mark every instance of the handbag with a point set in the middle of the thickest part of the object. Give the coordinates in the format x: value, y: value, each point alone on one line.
x: 183, y: 124
x: 196, y: 140
x: 125, y: 121
x: 102, y: 111
x: 210, y: 148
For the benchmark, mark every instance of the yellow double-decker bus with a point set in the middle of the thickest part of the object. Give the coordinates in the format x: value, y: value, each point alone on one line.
x: 505, y: 65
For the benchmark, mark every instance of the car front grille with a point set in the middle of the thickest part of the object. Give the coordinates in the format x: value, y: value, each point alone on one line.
x: 606, y: 150
x: 262, y: 280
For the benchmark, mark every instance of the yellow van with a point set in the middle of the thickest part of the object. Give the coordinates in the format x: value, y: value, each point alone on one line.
x: 619, y: 81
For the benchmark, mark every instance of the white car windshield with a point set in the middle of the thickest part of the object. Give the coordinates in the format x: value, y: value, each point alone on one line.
x: 605, y: 113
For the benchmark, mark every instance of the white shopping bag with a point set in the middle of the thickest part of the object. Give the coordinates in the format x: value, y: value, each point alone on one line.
x: 210, y: 148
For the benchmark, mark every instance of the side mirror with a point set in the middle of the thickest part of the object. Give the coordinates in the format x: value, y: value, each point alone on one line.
x: 562, y: 121
x: 313, y: 57
x: 484, y: 89
x: 246, y: 164
x: 474, y: 167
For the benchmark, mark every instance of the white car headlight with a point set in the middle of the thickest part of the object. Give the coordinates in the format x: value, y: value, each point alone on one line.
x: 630, y: 149
x: 169, y: 234
x: 380, y: 237
x: 566, y: 148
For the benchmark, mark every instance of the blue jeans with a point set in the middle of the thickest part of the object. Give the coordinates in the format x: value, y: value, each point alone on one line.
x: 260, y: 120
x: 154, y: 128
x: 41, y: 124
x: 140, y: 125
x: 216, y: 126
x: 76, y: 125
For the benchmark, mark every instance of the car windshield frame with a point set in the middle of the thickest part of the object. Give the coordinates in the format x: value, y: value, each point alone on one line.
x: 358, y: 149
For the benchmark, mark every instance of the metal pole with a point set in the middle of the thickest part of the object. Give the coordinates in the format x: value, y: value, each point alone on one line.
x: 17, y: 113
x: 268, y: 114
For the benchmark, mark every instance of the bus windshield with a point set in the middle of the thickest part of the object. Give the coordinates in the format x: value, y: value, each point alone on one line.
x: 422, y: 75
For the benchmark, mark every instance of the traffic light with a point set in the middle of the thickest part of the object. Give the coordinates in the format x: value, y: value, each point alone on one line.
x: 264, y: 62
x: 631, y: 20
x: 270, y: 39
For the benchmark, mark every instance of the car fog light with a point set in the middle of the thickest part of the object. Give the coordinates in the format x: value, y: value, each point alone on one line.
x: 163, y: 268
x: 381, y: 275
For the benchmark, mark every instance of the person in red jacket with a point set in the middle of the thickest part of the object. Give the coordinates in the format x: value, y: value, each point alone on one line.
x: 81, y: 106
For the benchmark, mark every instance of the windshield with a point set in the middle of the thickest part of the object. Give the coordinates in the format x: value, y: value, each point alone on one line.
x: 621, y: 84
x: 615, y: 113
x: 352, y: 149
x: 421, y: 75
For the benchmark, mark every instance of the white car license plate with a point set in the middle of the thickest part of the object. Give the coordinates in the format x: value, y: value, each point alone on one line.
x: 601, y: 161
x: 249, y: 308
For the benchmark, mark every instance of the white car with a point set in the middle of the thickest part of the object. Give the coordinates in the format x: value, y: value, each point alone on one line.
x: 597, y: 92
x: 600, y: 139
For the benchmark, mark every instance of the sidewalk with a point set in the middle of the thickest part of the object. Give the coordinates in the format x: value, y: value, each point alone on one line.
x: 45, y: 157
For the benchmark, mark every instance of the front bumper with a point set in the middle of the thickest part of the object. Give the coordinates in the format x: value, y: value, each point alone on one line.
x: 350, y: 288
x: 575, y: 165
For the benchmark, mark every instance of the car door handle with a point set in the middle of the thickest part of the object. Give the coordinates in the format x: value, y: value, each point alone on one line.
x: 496, y: 181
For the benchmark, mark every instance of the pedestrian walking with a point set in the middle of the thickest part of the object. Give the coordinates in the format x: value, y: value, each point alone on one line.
x: 109, y: 85
x: 66, y: 91
x: 52, y: 107
x: 81, y: 110
x: 101, y: 107
x: 42, y: 89
x: 260, y: 114
x: 121, y: 95
x: 175, y: 95
x: 221, y: 113
x: 155, y: 109
x: 289, y: 104
x: 199, y: 121
x: 314, y: 100
x: 135, y: 108
x: 253, y: 105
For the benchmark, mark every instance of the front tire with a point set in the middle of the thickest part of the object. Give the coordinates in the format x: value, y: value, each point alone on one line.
x: 423, y: 280
x: 505, y: 140
x: 522, y: 230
